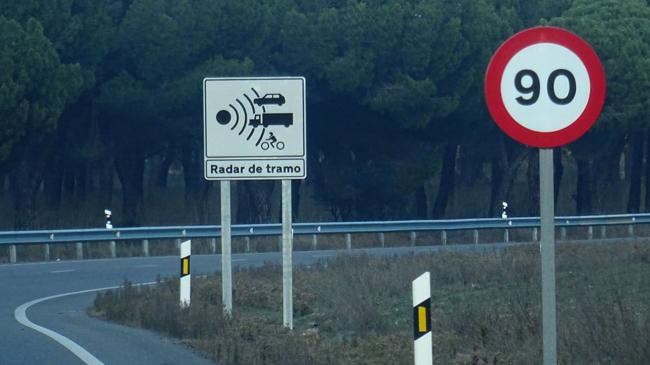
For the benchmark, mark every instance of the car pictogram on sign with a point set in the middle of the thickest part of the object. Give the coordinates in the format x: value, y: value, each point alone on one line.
x: 270, y: 99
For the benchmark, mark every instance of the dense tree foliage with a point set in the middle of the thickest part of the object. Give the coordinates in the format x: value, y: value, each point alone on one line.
x: 94, y: 93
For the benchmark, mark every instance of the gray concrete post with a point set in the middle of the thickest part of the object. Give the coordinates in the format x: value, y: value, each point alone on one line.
x: 80, y: 250
x: 12, y: 254
x: 145, y: 248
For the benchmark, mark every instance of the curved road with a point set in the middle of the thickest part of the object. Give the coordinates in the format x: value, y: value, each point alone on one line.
x: 46, y: 295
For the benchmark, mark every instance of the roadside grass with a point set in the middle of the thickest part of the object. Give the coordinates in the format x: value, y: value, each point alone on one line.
x: 357, y: 309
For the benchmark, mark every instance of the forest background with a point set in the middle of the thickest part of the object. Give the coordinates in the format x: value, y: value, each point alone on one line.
x: 100, y: 107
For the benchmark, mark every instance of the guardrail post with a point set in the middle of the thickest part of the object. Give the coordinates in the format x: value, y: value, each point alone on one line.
x: 590, y: 233
x: 314, y: 242
x: 506, y: 236
x: 348, y: 241
x: 213, y: 244
x: 414, y: 238
x: 444, y: 237
x: 603, y: 232
x: 247, y: 239
x: 535, y: 235
x: 178, y: 244
x: 80, y: 251
x: 12, y: 254
x: 280, y: 243
x: 563, y: 233
x: 46, y: 252
x: 113, y: 249
x: 145, y: 248
x: 382, y: 239
x: 630, y: 230
x: 476, y: 236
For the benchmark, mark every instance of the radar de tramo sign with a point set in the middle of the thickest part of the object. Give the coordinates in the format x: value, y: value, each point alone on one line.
x: 254, y: 128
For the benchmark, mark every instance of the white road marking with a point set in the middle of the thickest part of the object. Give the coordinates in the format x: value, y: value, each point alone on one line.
x: 21, y: 316
x: 62, y: 271
x: 239, y: 260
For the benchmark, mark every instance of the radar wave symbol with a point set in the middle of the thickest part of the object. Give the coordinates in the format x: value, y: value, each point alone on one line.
x: 241, y: 111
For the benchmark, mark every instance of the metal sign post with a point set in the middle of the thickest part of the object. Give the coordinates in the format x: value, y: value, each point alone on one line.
x: 226, y: 239
x: 547, y: 247
x: 287, y: 251
x: 254, y: 128
x: 545, y: 87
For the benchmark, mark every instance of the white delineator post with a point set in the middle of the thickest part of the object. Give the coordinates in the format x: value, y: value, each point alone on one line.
x: 423, y: 351
x: 186, y: 276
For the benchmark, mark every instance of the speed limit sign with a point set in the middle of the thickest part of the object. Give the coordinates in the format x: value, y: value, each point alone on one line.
x: 545, y: 87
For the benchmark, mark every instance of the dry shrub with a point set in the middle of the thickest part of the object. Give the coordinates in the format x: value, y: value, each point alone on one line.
x: 357, y: 310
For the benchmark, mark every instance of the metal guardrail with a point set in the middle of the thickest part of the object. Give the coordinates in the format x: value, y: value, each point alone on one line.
x: 183, y: 232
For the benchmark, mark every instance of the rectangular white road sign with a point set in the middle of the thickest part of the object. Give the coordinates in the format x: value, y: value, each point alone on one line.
x: 254, y: 128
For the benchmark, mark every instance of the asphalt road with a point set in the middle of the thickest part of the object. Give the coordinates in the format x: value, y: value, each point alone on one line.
x: 45, y: 295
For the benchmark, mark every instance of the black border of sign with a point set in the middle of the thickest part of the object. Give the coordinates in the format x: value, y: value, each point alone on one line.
x: 237, y: 158
x: 302, y: 157
x: 274, y: 177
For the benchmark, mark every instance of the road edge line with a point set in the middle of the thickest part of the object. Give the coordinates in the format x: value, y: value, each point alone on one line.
x: 20, y: 314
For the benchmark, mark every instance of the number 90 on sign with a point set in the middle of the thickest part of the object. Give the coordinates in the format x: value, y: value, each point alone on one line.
x: 545, y: 87
x: 534, y: 87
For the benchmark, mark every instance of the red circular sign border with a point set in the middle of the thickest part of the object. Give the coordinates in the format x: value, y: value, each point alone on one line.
x: 527, y: 38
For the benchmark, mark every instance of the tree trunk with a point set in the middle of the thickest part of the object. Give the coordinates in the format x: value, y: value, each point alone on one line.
x: 163, y: 170
x: 254, y: 201
x: 106, y: 175
x: 495, y: 186
x: 420, y: 203
x: 636, y: 161
x: 130, y: 171
x: 53, y: 183
x: 647, y: 174
x: 584, y: 188
x: 296, y: 185
x: 607, y: 178
x: 244, y: 205
x: 82, y: 182
x: 26, y: 177
x: 196, y: 187
x: 447, y: 181
x: 68, y: 182
x: 24, y: 183
x: 509, y: 177
x: 505, y: 174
